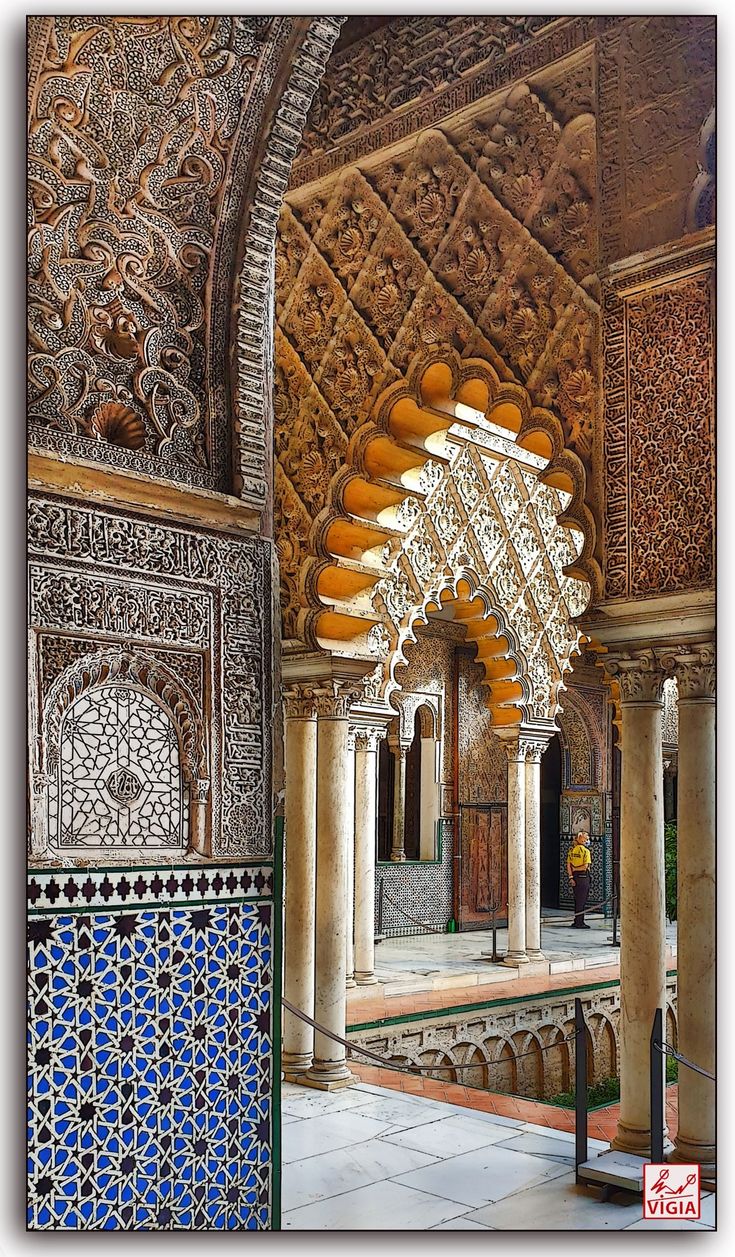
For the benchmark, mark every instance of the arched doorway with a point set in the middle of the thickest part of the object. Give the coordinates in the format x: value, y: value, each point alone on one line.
x: 550, y: 828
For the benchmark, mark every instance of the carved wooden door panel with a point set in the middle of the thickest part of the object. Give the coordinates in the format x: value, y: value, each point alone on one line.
x: 483, y: 865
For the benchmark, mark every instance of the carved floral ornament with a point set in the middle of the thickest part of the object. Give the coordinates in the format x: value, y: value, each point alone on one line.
x: 141, y: 135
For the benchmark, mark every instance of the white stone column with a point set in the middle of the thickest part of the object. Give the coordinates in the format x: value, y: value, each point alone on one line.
x: 398, y: 852
x: 694, y: 668
x: 350, y: 870
x: 535, y: 748
x: 642, y: 888
x: 335, y: 830
x: 429, y: 803
x: 366, y: 827
x: 516, y: 753
x: 300, y: 877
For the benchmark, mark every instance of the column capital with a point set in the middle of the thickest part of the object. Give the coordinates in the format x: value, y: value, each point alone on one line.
x: 299, y: 702
x: 368, y: 737
x: 334, y: 698
x: 638, y: 673
x: 694, y: 669
x: 199, y: 789
x: 398, y: 746
x: 533, y: 746
x: 523, y: 745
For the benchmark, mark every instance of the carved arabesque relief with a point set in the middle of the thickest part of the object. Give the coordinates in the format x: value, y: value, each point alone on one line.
x: 205, y: 591
x: 507, y: 545
x: 141, y: 137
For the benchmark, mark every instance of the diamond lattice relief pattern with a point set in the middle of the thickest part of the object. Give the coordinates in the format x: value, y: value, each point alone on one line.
x: 120, y: 782
x: 150, y: 1069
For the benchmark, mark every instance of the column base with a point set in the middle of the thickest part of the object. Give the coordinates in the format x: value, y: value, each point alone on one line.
x: 534, y: 953
x: 703, y: 1155
x: 397, y: 859
x: 350, y: 982
x: 637, y: 1140
x: 515, y: 958
x: 365, y: 979
x: 295, y: 1065
x: 328, y: 1077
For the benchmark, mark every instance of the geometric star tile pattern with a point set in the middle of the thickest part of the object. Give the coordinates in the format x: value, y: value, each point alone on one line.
x: 150, y: 1061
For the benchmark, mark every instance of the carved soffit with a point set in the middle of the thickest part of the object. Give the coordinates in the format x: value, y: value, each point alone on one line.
x: 419, y: 258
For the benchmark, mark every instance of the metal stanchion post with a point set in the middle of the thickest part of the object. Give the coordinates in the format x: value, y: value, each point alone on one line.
x: 580, y: 1088
x: 657, y: 1090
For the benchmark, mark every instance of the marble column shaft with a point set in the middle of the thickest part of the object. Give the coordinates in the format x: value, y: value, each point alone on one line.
x: 300, y: 866
x: 350, y: 870
x: 534, y: 751
x: 366, y: 825
x: 695, y: 1138
x: 516, y: 953
x: 642, y: 889
x: 398, y: 850
x: 335, y: 830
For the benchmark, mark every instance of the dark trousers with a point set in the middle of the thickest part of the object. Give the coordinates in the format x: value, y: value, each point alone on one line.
x: 581, y: 895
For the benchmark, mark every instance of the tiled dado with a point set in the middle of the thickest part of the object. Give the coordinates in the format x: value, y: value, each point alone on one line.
x: 60, y: 889
x: 152, y: 1024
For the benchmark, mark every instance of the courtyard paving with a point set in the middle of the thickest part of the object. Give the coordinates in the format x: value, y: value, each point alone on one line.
x: 369, y: 1158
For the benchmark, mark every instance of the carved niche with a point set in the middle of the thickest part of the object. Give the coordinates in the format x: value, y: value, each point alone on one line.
x: 185, y: 628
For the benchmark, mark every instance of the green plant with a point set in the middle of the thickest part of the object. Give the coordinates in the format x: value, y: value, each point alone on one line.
x: 608, y: 1091
x: 670, y: 868
x: 605, y: 1092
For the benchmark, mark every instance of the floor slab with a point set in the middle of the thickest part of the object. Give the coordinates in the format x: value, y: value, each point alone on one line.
x: 488, y: 1174
x: 450, y: 1136
x: 559, y: 1206
x: 376, y: 1207
x: 329, y: 1174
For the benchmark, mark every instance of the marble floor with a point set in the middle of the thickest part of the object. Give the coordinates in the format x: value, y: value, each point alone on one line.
x: 441, y: 956
x: 371, y: 1159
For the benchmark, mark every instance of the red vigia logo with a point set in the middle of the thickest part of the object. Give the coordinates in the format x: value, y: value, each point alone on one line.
x: 671, y: 1191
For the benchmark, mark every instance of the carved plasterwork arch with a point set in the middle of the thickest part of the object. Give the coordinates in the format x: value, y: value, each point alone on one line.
x: 137, y: 671
x: 456, y: 490
x: 583, y: 738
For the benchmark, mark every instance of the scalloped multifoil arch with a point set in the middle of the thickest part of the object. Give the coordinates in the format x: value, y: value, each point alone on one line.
x: 137, y: 671
x: 394, y: 462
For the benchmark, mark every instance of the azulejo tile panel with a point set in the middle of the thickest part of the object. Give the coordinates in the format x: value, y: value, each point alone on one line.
x: 150, y: 1094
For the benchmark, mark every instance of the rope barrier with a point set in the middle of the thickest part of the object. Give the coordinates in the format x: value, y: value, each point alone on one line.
x: 384, y: 1063
x: 667, y: 1050
x: 433, y: 930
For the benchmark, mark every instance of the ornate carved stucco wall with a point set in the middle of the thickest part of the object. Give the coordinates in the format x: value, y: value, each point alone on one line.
x: 159, y: 148
x: 656, y: 93
x: 148, y: 178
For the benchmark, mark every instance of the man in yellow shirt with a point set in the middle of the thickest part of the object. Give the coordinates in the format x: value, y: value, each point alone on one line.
x: 578, y: 869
